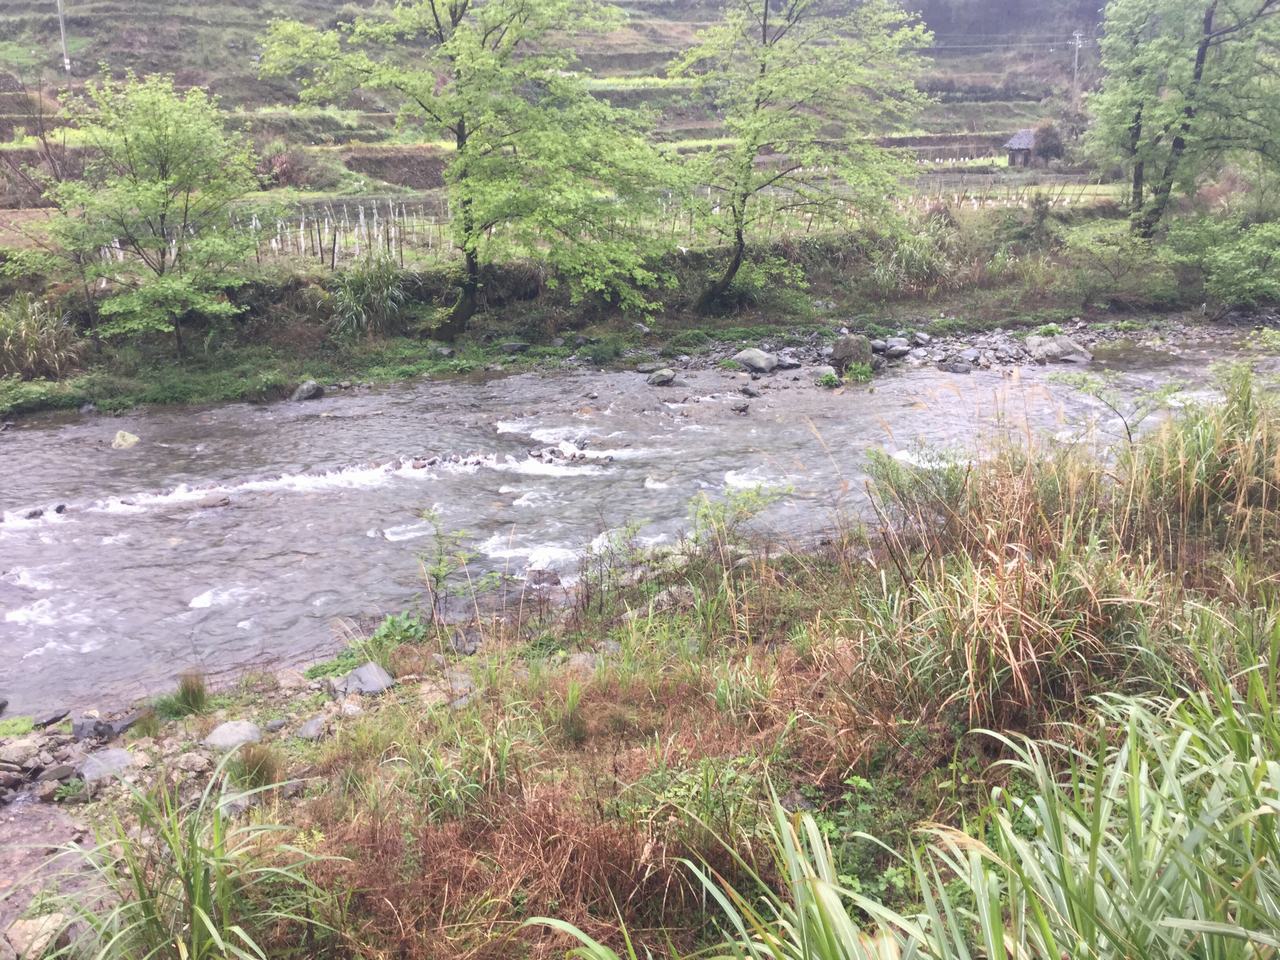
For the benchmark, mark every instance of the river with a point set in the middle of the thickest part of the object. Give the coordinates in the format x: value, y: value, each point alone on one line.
x: 138, y: 578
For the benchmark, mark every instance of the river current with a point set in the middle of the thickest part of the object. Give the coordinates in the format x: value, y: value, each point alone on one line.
x: 118, y: 572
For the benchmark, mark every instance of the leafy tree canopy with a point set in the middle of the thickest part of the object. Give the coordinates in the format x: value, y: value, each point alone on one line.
x: 537, y: 166
x: 805, y: 87
x: 1188, y: 83
x: 152, y: 214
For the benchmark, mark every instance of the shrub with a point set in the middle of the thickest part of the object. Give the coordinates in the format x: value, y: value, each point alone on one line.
x: 35, y: 341
x: 256, y: 766
x: 368, y: 298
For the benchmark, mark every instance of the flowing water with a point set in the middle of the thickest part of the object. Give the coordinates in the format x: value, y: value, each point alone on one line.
x: 138, y: 578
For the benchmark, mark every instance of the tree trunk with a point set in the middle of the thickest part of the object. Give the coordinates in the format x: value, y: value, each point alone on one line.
x: 1149, y: 219
x: 464, y: 308
x: 714, y: 294
x: 177, y: 338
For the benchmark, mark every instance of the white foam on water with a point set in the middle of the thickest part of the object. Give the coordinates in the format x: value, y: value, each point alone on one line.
x: 219, y: 597
x: 541, y: 557
x: 37, y: 614
x: 531, y: 499
x: 651, y: 484
x: 22, y: 577
x: 746, y: 479
x: 407, y: 531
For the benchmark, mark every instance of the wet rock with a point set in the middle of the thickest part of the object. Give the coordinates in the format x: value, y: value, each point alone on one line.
x: 955, y: 366
x: 970, y: 355
x: 541, y: 579
x: 757, y: 361
x: 742, y: 409
x: 919, y: 354
x: 35, y: 514
x: 274, y: 726
x: 4, y: 705
x: 662, y: 378
x: 1057, y: 349
x: 896, y: 347
x: 878, y: 346
x: 307, y: 390
x: 749, y: 391
x: 48, y: 718
x: 514, y: 346
x: 105, y: 765
x: 124, y: 440
x: 648, y: 367
x: 367, y: 680
x: 213, y: 502
x: 821, y: 373
x: 851, y: 350
x: 921, y: 339
x: 313, y: 729
x: 31, y: 939
x: 787, y: 361
x: 232, y: 734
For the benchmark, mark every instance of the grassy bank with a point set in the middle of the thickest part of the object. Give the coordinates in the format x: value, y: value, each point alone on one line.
x: 958, y: 272
x: 953, y: 729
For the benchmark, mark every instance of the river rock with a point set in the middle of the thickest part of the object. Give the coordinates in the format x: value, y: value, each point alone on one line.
x: 124, y: 440
x: 896, y: 347
x: 851, y: 350
x: 1057, y: 349
x: 233, y: 734
x: 662, y: 378
x: 91, y: 728
x: 313, y: 729
x: 955, y: 366
x: 819, y: 373
x: 307, y: 390
x: 921, y: 339
x: 21, y: 751
x: 105, y: 765
x: 59, y: 771
x: 32, y: 938
x: 368, y: 680
x: 749, y: 391
x: 788, y: 361
x: 757, y: 361
x: 515, y: 346
x: 275, y: 726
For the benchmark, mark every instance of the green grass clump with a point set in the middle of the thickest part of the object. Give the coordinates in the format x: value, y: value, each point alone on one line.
x: 191, y: 697
x: 16, y: 726
x: 35, y: 341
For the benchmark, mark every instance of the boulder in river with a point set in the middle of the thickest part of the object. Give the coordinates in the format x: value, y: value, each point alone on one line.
x: 662, y: 378
x: 851, y: 350
x: 124, y: 440
x: 757, y: 361
x: 233, y: 734
x: 307, y: 390
x: 1057, y: 349
x: 369, y: 680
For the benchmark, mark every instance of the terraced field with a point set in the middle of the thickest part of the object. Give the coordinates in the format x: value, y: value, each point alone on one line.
x: 998, y: 66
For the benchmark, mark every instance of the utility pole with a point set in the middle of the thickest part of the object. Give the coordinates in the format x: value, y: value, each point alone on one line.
x: 1075, y: 75
x: 62, y: 29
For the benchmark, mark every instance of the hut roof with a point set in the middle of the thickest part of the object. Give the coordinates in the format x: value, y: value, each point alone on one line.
x: 1022, y: 140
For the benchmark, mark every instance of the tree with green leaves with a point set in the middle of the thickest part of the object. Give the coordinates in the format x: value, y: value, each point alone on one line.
x: 536, y: 165
x: 151, y: 215
x: 1187, y: 85
x: 805, y: 88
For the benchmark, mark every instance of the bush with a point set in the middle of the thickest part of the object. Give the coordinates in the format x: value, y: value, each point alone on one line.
x: 1238, y: 264
x: 191, y: 697
x: 368, y: 298
x: 35, y: 341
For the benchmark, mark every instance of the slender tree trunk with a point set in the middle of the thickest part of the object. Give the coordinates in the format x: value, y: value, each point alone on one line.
x: 1137, y: 195
x: 1150, y: 217
x: 177, y: 338
x: 714, y: 294
x: 469, y: 294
